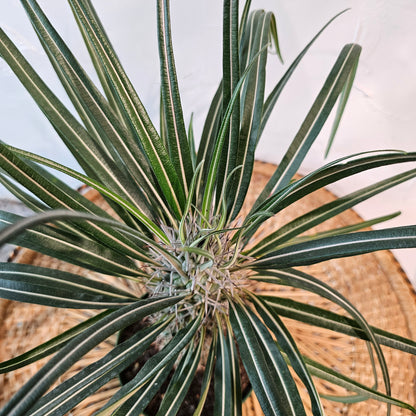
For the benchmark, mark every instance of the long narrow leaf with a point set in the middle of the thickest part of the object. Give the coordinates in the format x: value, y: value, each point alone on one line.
x: 51, y: 287
x: 61, y: 245
x: 153, y: 365
x: 90, y: 156
x: 302, y: 280
x: 271, y: 380
x: 176, y: 131
x: 69, y: 393
x: 231, y: 76
x: 328, y: 374
x: 252, y: 109
x: 49, y: 347
x: 314, y: 120
x: 180, y: 384
x: 325, y: 212
x: 96, y: 185
x: 29, y: 394
x: 115, y: 137
x: 330, y: 173
x: 130, y: 105
x: 288, y: 346
x: 323, y: 318
x: 339, y: 246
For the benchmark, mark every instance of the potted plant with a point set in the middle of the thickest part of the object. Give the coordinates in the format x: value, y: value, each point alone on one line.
x: 176, y: 230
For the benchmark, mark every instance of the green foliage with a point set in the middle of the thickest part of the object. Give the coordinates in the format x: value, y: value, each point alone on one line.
x: 177, y: 234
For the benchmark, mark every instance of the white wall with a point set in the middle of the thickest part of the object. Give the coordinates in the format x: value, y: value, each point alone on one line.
x: 381, y: 113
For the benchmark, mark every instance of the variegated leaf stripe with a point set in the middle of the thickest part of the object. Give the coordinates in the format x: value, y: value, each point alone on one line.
x: 213, y: 170
x: 48, y: 347
x: 90, y: 254
x: 287, y: 385
x: 288, y: 346
x: 316, y: 316
x: 150, y: 225
x: 208, y: 138
x: 30, y: 393
x: 313, y: 122
x: 231, y: 75
x: 339, y: 246
x: 77, y: 139
x: 91, y: 99
x: 328, y: 374
x: 258, y: 369
x: 223, y: 375
x: 235, y: 372
x: 331, y: 172
x: 63, y: 197
x: 10, y: 232
x: 295, y: 278
x: 98, y: 66
x: 323, y: 213
x: 165, y: 357
x: 176, y: 391
x: 318, y: 114
x: 72, y: 391
x: 209, y: 368
x: 341, y: 106
x: 137, y: 403
x: 176, y: 131
x: 275, y: 93
x: 251, y: 112
x: 52, y: 287
x: 133, y: 108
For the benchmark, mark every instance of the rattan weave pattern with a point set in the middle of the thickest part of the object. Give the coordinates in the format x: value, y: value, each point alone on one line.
x: 374, y: 283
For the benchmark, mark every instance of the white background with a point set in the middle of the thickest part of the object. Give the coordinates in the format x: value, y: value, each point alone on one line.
x: 381, y: 113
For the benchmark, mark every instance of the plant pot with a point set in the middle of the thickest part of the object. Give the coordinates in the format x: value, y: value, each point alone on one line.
x: 373, y: 282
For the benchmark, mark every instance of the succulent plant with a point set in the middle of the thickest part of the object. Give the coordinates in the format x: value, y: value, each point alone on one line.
x: 177, y: 233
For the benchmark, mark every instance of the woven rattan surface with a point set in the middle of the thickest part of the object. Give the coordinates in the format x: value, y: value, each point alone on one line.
x: 374, y: 283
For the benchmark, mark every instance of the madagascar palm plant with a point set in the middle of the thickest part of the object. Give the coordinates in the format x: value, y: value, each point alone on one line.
x: 177, y: 232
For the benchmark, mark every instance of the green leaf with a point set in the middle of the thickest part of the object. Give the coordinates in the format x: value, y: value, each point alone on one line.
x: 216, y: 157
x: 137, y: 403
x: 251, y: 109
x: 175, y: 125
x: 153, y: 365
x: 287, y: 344
x: 268, y: 373
x: 150, y: 225
x: 62, y: 245
x: 328, y: 374
x: 87, y: 381
x: 57, y: 194
x: 95, y: 111
x: 133, y: 111
x: 325, y: 212
x: 30, y: 393
x: 330, y: 173
x: 209, y: 368
x: 50, y: 216
x: 227, y: 375
x: 181, y: 381
x: 343, y: 245
x: 323, y: 318
x: 89, y: 155
x: 231, y: 77
x: 295, y: 278
x: 341, y: 107
x: 51, y: 287
x: 313, y: 122
x: 277, y: 90
x: 49, y: 347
